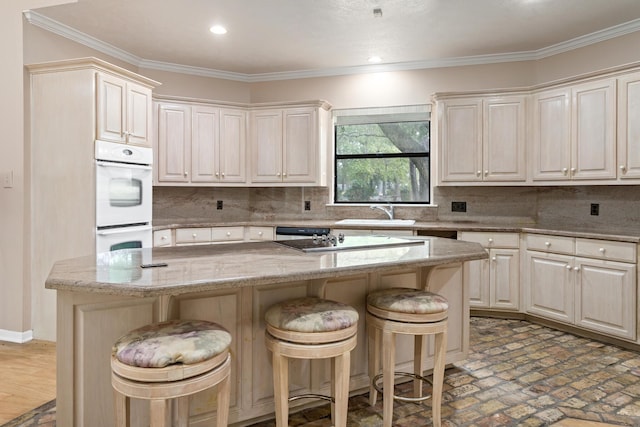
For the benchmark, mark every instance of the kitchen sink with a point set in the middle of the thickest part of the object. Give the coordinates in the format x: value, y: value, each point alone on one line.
x: 319, y: 244
x: 376, y: 222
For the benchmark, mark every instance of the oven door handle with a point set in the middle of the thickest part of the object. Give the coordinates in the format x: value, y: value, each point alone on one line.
x: 122, y: 165
x: 112, y: 231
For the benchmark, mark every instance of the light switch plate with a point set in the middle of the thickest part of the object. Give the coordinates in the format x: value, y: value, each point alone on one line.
x: 7, y: 179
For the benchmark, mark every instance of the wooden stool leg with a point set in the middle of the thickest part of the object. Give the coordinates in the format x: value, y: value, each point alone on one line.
x: 181, y: 413
x: 281, y: 389
x: 388, y: 368
x: 438, y: 376
x: 374, y: 361
x: 159, y: 412
x: 418, y: 363
x: 342, y: 365
x: 123, y: 409
x: 334, y: 385
x: 224, y: 399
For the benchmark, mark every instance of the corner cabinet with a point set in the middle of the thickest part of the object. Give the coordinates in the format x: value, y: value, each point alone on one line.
x: 289, y: 146
x: 123, y: 110
x: 481, y: 139
x: 494, y: 283
x: 199, y: 145
x: 587, y: 283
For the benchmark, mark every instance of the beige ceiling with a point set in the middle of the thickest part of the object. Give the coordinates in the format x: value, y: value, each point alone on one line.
x: 335, y: 36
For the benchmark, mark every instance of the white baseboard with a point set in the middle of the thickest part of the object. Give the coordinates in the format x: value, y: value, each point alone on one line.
x: 17, y: 337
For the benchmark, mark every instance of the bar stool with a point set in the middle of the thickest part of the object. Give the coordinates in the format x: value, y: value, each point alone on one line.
x: 172, y: 359
x: 410, y: 312
x: 311, y: 328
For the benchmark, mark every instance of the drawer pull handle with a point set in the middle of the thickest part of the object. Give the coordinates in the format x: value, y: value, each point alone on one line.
x: 163, y: 238
x: 490, y: 240
x: 228, y: 233
x: 601, y: 250
x: 194, y: 235
x: 259, y: 233
x: 547, y: 244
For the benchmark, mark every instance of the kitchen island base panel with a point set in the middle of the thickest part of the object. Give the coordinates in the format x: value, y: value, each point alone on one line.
x: 88, y: 323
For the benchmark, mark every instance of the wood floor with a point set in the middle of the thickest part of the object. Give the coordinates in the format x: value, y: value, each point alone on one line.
x: 27, y: 377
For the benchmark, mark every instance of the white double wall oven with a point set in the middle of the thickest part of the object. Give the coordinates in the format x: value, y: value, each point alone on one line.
x: 123, y: 196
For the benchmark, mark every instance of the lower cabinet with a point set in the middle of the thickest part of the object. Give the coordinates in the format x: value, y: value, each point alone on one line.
x: 494, y: 283
x: 583, y: 282
x: 209, y: 235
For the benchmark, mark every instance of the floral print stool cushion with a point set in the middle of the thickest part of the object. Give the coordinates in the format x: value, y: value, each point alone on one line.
x: 172, y: 342
x: 407, y: 304
x: 311, y: 319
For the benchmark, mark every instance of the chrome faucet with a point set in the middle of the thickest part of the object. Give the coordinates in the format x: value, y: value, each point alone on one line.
x: 388, y: 209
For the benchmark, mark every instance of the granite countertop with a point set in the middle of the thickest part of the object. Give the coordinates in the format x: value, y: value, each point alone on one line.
x: 209, y: 267
x: 607, y: 232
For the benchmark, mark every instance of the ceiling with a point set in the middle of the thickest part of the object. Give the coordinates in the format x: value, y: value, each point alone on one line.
x: 271, y: 39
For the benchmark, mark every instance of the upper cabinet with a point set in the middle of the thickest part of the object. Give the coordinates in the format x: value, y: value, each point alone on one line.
x: 581, y: 131
x: 123, y: 110
x: 200, y: 145
x: 574, y: 134
x: 629, y: 126
x: 482, y: 139
x: 206, y: 144
x: 288, y: 146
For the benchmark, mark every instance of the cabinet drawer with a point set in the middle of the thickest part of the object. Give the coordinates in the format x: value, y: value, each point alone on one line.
x: 223, y: 234
x: 260, y: 233
x: 193, y: 235
x: 606, y: 249
x: 555, y: 244
x: 162, y: 238
x: 491, y: 239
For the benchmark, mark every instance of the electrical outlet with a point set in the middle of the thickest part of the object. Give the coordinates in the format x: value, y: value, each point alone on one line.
x: 458, y: 206
x: 595, y: 209
x: 307, y: 205
x: 219, y: 204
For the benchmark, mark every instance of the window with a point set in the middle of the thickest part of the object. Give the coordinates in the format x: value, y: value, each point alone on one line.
x: 382, y: 157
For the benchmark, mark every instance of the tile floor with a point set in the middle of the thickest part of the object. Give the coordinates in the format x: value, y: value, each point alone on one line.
x: 517, y: 374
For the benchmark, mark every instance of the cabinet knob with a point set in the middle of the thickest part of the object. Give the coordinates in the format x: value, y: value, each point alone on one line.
x: 186, y: 173
x: 163, y: 238
x: 573, y: 170
x: 547, y: 244
x: 568, y: 267
x: 228, y: 233
x: 217, y: 174
x: 223, y: 174
x: 478, y: 173
x: 486, y: 172
x: 576, y: 268
x: 490, y: 240
x: 284, y: 174
x: 278, y: 174
x: 493, y: 258
x: 601, y: 250
x: 565, y: 170
x: 194, y: 235
x: 623, y: 168
x: 259, y: 233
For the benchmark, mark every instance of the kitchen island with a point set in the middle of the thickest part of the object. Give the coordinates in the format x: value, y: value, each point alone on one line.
x: 101, y: 297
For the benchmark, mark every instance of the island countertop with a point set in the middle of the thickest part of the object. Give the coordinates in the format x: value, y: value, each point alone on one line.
x: 210, y: 267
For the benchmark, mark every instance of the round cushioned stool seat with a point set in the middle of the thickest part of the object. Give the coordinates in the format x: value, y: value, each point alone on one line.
x: 407, y: 305
x: 309, y: 320
x: 171, y: 360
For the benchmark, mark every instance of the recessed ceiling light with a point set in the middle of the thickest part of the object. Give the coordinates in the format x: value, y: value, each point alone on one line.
x: 374, y: 59
x: 218, y: 29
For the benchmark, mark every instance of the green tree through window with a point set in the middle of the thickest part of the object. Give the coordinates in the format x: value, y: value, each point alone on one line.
x: 382, y: 162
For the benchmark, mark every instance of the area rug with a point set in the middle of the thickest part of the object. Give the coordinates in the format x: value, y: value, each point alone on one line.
x: 42, y: 416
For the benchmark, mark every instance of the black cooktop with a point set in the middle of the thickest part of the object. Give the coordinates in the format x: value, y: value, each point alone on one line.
x: 324, y: 243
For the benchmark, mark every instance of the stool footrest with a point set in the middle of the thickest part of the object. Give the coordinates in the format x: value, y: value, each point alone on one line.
x: 403, y: 374
x: 312, y: 396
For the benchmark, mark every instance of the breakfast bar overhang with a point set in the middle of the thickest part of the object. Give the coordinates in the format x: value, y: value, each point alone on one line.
x: 102, y: 297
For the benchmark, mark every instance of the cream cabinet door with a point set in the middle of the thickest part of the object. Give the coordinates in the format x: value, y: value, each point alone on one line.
x: 550, y: 286
x: 629, y: 126
x: 606, y: 297
x: 461, y: 140
x: 124, y: 111
x: 205, y: 144
x: 266, y: 145
x: 174, y: 143
x: 504, y: 139
x: 593, y: 136
x: 476, y: 273
x: 233, y: 146
x: 300, y: 154
x: 551, y: 151
x: 504, y: 278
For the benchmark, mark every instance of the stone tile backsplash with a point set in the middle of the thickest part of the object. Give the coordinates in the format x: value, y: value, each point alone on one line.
x: 619, y: 206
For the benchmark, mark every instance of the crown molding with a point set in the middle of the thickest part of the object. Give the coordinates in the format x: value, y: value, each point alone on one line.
x: 56, y: 27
